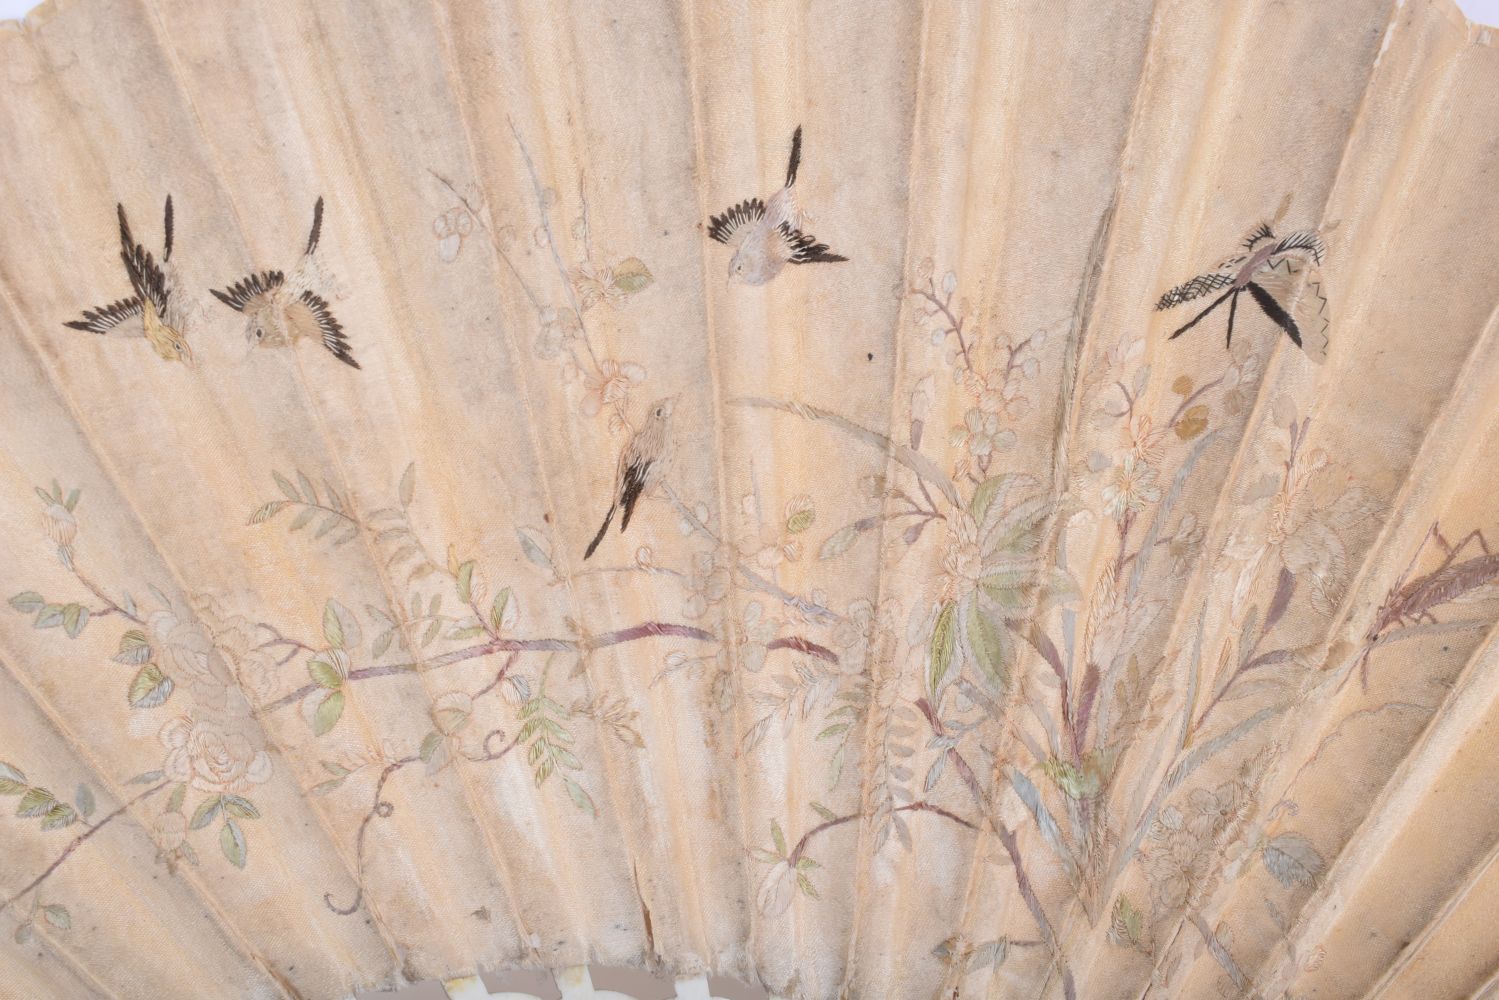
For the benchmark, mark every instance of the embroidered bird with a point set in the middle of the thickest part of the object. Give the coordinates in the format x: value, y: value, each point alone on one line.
x: 163, y: 320
x: 640, y: 466
x: 767, y: 236
x: 1280, y: 274
x: 280, y: 310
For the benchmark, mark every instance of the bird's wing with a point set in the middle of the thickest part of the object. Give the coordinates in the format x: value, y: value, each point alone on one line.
x: 731, y: 226
x: 243, y: 294
x: 632, y: 484
x: 1251, y: 242
x: 1195, y: 288
x: 106, y: 318
x: 1297, y: 288
x: 802, y: 248
x: 315, y: 308
x: 145, y: 274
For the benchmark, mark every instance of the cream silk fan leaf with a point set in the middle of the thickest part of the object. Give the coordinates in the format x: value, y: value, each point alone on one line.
x: 1047, y: 455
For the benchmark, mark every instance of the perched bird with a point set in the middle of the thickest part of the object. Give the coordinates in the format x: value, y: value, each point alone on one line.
x: 281, y: 310
x: 1280, y: 274
x: 767, y: 237
x: 640, y: 466
x: 162, y: 317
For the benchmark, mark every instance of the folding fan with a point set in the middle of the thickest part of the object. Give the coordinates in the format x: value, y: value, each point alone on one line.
x: 968, y: 499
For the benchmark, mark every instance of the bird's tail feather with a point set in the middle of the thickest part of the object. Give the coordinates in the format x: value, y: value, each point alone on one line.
x: 603, y: 530
x: 796, y: 156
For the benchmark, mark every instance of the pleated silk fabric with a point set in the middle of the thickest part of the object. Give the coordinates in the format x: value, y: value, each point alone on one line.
x: 956, y: 630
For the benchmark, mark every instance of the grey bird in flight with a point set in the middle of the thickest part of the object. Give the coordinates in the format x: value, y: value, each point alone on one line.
x: 640, y: 466
x: 766, y: 236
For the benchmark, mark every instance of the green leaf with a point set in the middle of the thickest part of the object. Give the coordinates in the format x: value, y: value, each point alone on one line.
x: 308, y: 490
x: 302, y: 519
x: 944, y: 640
x: 430, y: 743
x: 207, y: 812
x: 146, y: 778
x: 466, y: 581
x: 57, y: 916
x: 631, y: 275
x: 266, y: 511
x: 327, y: 787
x: 408, y: 485
x: 779, y: 837
x: 805, y: 885
x: 580, y: 798
x: 328, y: 713
x: 240, y: 807
x: 72, y: 501
x: 232, y: 843
x: 824, y: 811
x: 989, y: 644
x: 325, y: 674
x: 28, y: 601
x: 801, y: 521
x: 497, y: 609
x: 84, y: 800
x: 340, y: 627
x: 135, y: 648
x: 286, y: 487
x: 74, y: 617
x: 59, y: 816
x: 178, y: 796
x: 806, y: 865
x: 984, y: 496
x: 36, y: 802
x: 12, y: 781
x: 763, y: 856
x: 150, y: 687
x: 49, y: 617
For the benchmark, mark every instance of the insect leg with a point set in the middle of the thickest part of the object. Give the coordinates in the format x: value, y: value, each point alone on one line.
x: 1233, y: 308
x: 1200, y: 316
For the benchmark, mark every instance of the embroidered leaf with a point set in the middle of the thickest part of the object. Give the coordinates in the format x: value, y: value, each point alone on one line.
x: 466, y: 581
x: 340, y: 627
x: 57, y: 916
x: 135, y: 648
x: 328, y: 713
x: 49, y: 617
x: 497, y: 609
x: 325, y: 675
x: 84, y: 800
x: 944, y: 638
x: 12, y: 780
x: 287, y: 487
x: 58, y: 817
x: 28, y: 601
x: 989, y: 645
x: 580, y: 798
x: 778, y: 837
x: 1293, y: 860
x: 150, y: 687
x: 407, y: 490
x: 207, y: 811
x: 631, y: 275
x: 232, y: 843
x: 534, y: 545
x: 267, y: 510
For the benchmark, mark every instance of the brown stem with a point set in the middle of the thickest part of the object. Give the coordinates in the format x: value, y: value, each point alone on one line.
x: 78, y: 841
x: 921, y: 806
x: 1012, y: 848
x: 643, y: 631
x: 110, y: 607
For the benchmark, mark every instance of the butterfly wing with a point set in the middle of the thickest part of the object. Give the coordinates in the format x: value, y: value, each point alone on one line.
x: 1297, y: 288
x: 1195, y: 288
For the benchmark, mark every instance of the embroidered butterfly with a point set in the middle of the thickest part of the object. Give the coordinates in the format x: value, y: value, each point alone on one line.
x: 1280, y: 274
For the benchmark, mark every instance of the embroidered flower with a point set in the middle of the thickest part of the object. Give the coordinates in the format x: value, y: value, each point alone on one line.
x: 1133, y: 486
x: 610, y: 385
x: 707, y: 584
x: 747, y: 639
x: 963, y: 559
x: 224, y: 763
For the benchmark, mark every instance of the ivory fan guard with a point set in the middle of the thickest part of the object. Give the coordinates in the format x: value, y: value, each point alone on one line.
x: 1047, y: 448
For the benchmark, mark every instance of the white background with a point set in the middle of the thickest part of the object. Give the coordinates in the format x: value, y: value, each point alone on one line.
x: 1483, y: 11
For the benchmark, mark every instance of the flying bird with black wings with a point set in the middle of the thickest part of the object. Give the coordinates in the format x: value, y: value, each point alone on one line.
x: 1281, y: 276
x: 766, y: 236
x: 280, y: 310
x: 641, y: 464
x: 155, y: 311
